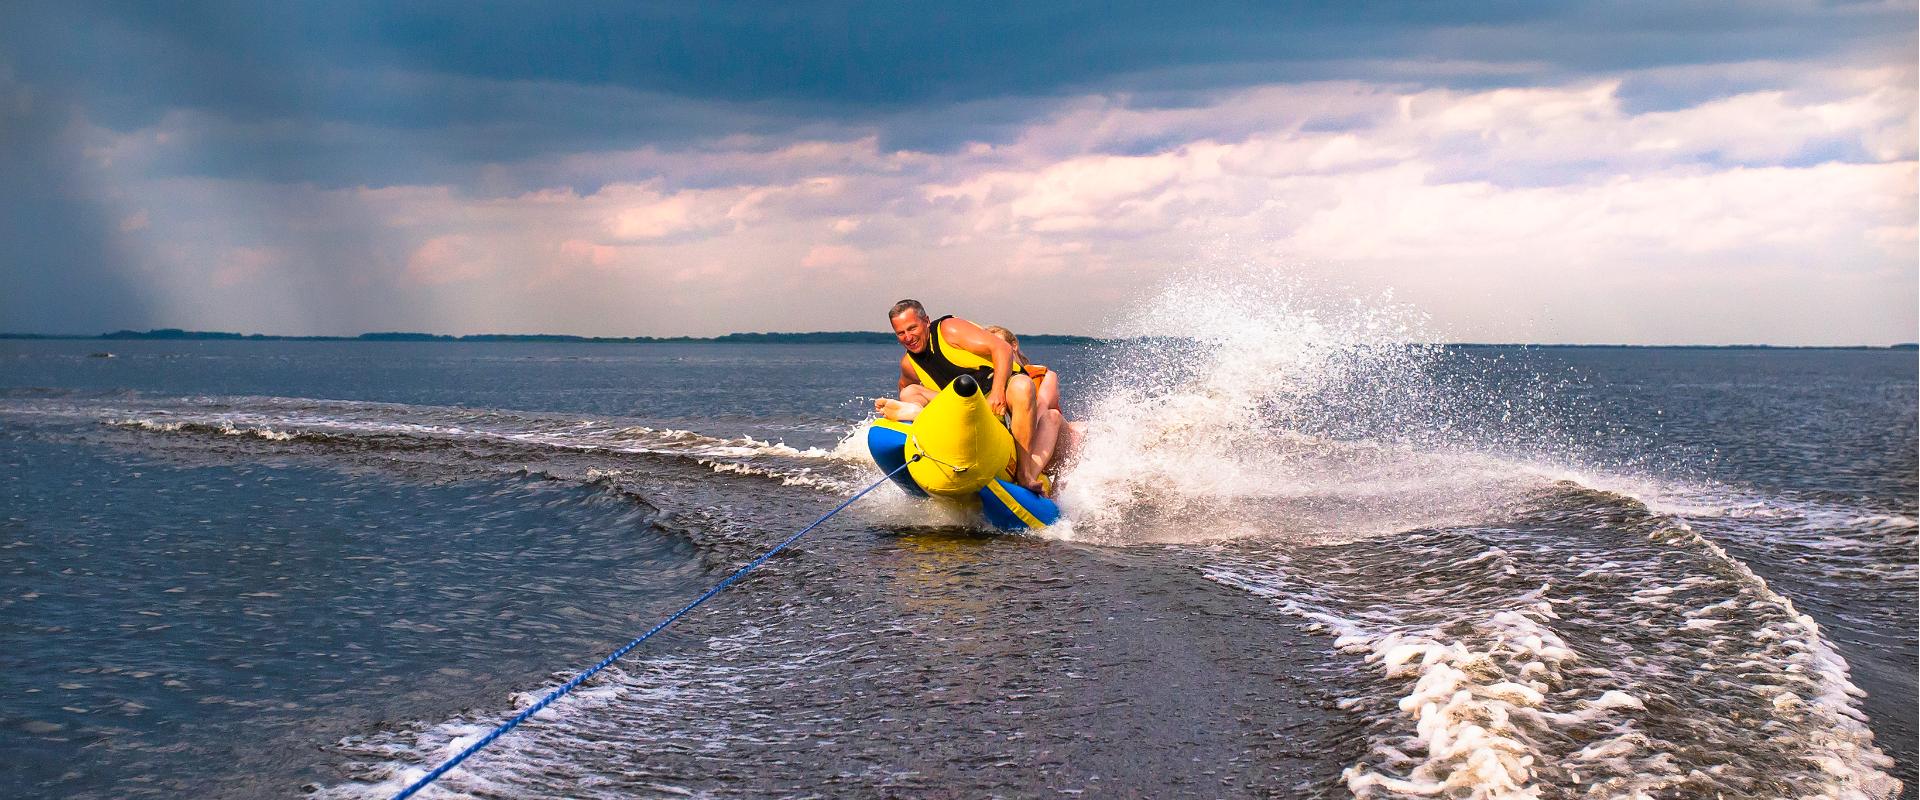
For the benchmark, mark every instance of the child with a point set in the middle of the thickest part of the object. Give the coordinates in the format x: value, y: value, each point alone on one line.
x: 1047, y: 398
x: 1046, y: 382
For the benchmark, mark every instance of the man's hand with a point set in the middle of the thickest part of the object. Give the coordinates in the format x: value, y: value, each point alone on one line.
x: 997, y: 400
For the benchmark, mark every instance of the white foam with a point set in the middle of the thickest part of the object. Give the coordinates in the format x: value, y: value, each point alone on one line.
x: 1213, y: 424
x: 802, y: 477
x: 262, y: 432
x: 1841, y: 741
x: 683, y: 442
x: 1487, y: 691
x: 1263, y: 416
x: 156, y: 426
x: 221, y: 426
x: 433, y: 422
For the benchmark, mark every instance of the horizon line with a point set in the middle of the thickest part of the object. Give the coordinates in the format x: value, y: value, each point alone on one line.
x: 786, y: 337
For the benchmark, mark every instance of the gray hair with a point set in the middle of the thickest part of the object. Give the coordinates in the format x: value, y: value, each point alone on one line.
x: 904, y: 306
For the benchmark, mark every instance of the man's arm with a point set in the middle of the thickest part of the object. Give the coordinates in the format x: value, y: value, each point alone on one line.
x: 907, y: 376
x: 974, y: 339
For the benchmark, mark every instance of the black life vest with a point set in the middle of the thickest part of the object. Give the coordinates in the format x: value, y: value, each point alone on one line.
x: 938, y: 365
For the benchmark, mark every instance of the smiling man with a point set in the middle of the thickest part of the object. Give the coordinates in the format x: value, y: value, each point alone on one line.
x: 941, y: 350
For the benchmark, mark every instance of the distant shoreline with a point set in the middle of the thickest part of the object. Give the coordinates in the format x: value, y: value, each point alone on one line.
x: 817, y: 337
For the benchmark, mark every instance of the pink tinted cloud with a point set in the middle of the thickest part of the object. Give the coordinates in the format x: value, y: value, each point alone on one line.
x: 581, y: 250
x: 837, y: 262
x: 1534, y: 192
x: 443, y: 260
x: 242, y: 265
x: 824, y: 256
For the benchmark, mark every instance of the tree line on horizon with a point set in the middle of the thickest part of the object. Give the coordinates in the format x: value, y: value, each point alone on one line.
x: 815, y: 337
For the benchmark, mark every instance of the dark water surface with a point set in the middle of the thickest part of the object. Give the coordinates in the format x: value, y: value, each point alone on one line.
x: 247, y: 569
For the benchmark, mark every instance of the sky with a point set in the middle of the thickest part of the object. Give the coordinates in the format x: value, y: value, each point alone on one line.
x: 1599, y: 172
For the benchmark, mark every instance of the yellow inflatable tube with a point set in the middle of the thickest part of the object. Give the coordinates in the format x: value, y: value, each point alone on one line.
x: 962, y: 446
x: 957, y: 449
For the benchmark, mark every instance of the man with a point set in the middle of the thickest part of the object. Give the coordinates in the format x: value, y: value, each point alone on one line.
x: 938, y: 351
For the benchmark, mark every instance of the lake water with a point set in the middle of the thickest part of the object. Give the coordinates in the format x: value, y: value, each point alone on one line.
x: 1297, y: 563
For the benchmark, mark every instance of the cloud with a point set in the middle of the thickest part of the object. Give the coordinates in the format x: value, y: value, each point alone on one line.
x: 1480, y: 160
x: 596, y: 255
x: 836, y: 262
x: 63, y: 255
x: 1531, y: 195
x: 241, y: 265
x: 446, y: 259
x: 657, y: 218
x: 347, y: 93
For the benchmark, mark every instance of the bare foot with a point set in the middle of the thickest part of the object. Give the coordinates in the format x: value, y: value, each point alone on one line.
x: 896, y: 410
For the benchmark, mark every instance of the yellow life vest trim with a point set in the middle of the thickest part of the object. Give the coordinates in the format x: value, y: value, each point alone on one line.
x: 1014, y: 505
x: 964, y: 359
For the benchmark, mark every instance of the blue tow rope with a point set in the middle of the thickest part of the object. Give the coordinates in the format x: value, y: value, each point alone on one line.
x: 608, y: 661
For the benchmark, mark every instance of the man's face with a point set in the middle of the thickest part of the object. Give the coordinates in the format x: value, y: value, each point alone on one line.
x: 911, y: 329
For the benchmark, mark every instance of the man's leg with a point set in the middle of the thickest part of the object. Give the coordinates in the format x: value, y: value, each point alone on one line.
x: 912, y: 399
x: 917, y: 394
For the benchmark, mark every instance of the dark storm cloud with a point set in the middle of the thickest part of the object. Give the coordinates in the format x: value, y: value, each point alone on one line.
x: 62, y: 270
x: 244, y: 59
x: 380, y: 92
x: 342, y: 93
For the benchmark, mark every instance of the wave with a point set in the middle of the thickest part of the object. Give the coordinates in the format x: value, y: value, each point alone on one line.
x: 1523, y: 622
x: 1848, y: 542
x: 388, y: 762
x: 1520, y: 663
x: 377, y: 426
x: 222, y: 428
x: 802, y: 477
x: 629, y: 731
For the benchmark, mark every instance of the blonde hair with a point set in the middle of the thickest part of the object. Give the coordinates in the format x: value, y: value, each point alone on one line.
x: 1019, y: 358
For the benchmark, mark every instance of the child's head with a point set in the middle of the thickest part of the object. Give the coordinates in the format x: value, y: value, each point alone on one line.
x: 1005, y: 335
